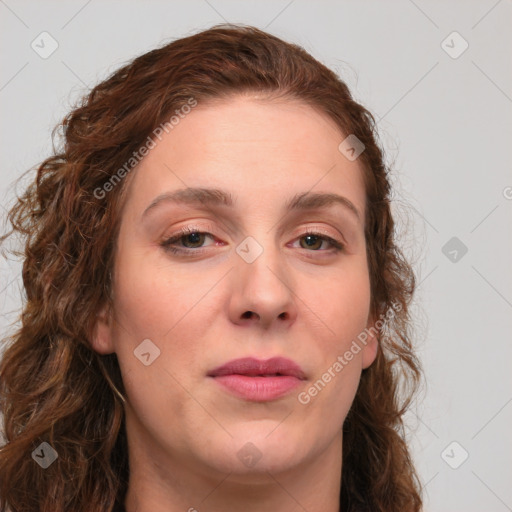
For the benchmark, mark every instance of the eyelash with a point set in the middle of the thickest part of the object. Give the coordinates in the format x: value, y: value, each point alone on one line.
x: 167, y: 243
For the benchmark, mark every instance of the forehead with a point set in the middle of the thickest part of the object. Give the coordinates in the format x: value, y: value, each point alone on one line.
x: 256, y: 147
x: 240, y: 127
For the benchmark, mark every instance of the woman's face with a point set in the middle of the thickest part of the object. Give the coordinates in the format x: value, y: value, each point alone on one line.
x: 248, y: 282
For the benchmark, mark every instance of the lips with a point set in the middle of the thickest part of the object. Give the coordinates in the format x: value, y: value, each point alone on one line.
x: 252, y: 367
x: 257, y: 380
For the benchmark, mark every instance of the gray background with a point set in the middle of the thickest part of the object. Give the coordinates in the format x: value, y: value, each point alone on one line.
x: 446, y: 125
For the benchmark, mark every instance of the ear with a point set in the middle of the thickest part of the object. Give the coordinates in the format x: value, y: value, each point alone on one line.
x: 372, y: 343
x: 101, y: 338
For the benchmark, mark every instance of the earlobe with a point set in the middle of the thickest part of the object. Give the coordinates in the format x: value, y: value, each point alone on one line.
x: 101, y: 338
x: 371, y: 346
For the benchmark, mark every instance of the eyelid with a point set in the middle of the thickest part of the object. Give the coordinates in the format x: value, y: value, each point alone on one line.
x: 317, y: 230
x: 332, y: 233
x: 185, y: 230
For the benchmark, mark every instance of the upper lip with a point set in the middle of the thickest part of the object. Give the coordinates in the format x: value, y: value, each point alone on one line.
x: 256, y: 367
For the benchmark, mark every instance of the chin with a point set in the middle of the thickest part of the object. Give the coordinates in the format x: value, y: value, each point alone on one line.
x: 252, y: 453
x: 258, y: 471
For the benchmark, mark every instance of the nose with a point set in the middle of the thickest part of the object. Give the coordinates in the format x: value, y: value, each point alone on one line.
x: 262, y: 289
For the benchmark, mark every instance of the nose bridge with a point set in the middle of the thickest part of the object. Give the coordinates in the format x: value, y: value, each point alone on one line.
x: 262, y: 281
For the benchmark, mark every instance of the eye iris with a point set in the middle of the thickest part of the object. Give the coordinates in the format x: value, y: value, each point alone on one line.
x: 197, y: 238
x: 316, y: 239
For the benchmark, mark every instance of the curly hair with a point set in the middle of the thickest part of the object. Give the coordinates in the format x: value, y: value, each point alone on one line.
x: 55, y: 388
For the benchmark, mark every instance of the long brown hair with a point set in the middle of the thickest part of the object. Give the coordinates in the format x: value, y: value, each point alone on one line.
x: 55, y: 388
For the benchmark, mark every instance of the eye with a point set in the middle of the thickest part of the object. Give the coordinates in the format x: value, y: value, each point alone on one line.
x: 314, y: 240
x: 191, y: 238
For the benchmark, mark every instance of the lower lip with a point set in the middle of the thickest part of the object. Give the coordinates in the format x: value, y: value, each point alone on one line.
x: 258, y: 389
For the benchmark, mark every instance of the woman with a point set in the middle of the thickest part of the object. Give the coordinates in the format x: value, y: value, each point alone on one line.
x: 216, y: 312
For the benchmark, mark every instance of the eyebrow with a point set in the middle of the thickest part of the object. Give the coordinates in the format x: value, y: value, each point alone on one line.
x: 217, y: 197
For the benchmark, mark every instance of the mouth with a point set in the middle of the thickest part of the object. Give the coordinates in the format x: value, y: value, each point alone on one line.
x: 258, y: 380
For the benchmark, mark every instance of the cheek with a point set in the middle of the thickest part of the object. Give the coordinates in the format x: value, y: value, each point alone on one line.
x: 148, y: 307
x: 341, y: 314
x: 342, y: 303
x: 154, y: 299
x: 171, y: 309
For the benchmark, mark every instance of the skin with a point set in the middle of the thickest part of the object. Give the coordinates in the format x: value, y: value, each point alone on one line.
x: 307, y: 304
